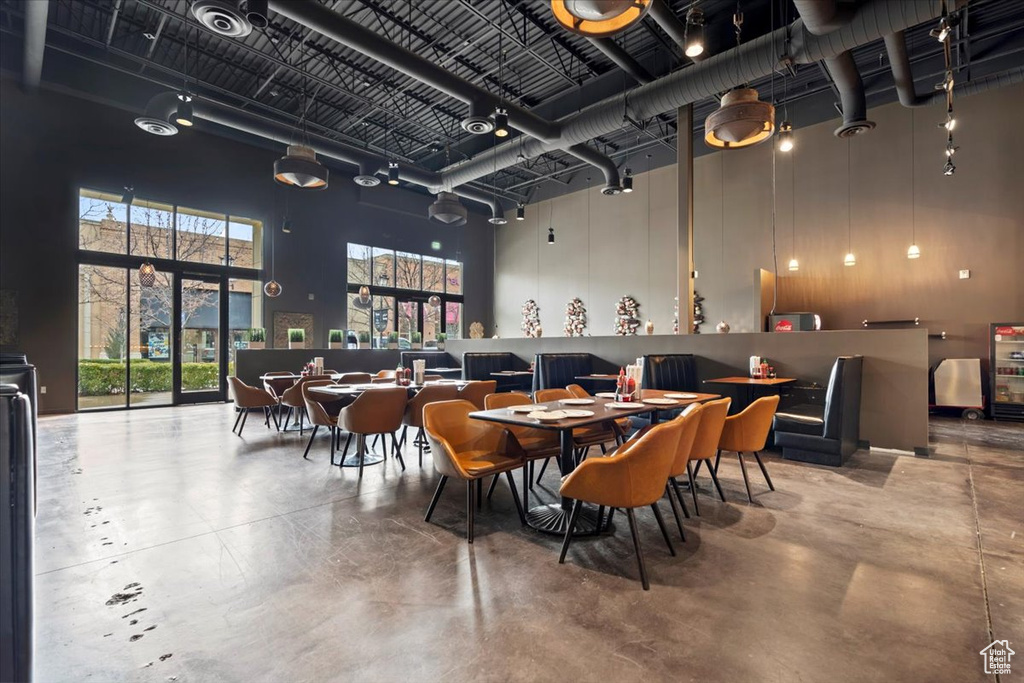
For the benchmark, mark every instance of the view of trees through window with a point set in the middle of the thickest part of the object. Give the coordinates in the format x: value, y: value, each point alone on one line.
x: 125, y: 328
x: 402, y: 285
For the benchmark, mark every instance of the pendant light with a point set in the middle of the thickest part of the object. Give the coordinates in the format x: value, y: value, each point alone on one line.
x: 913, y: 252
x: 794, y: 265
x: 184, y: 114
x: 694, y: 36
x: 627, y: 181
x: 500, y: 113
x: 850, y: 259
x: 597, y: 18
x: 273, y: 288
x: 147, y: 274
x: 520, y: 212
x: 551, y: 229
x: 299, y: 166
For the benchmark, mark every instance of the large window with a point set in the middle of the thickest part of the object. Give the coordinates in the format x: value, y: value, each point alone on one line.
x: 204, y: 261
x: 402, y: 286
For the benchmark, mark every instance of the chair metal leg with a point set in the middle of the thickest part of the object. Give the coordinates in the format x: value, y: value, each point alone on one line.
x: 746, y: 482
x: 405, y: 433
x: 238, y: 418
x: 245, y: 417
x: 479, y: 493
x: 718, y: 459
x: 693, y: 488
x: 361, y: 446
x: 398, y: 452
x: 542, y: 468
x: 608, y: 522
x: 421, y: 436
x: 636, y: 545
x: 266, y: 417
x: 310, y: 443
x: 345, y: 452
x: 527, y: 484
x: 532, y: 463
x: 714, y: 478
x: 277, y: 425
x: 471, y: 494
x: 334, y: 437
x: 664, y: 529
x: 675, y: 512
x: 764, y: 471
x: 576, y: 507
x: 515, y: 496
x: 697, y: 468
x: 679, y: 496
x: 494, y: 484
x: 437, y: 497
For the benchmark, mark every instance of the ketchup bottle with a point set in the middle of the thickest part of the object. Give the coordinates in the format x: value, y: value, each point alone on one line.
x: 408, y: 376
x: 630, y: 388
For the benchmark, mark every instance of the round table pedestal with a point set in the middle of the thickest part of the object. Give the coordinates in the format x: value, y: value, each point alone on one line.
x: 368, y: 459
x: 553, y: 519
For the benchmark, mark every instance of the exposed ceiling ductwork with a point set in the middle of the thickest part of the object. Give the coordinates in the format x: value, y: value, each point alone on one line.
x: 752, y: 60
x: 824, y: 16
x: 669, y: 23
x: 36, y: 15
x: 622, y: 59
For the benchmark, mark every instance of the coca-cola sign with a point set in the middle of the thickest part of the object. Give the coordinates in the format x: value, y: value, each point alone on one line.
x: 784, y: 326
x: 1008, y: 331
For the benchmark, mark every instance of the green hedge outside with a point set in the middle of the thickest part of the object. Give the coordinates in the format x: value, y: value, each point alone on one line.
x: 105, y: 377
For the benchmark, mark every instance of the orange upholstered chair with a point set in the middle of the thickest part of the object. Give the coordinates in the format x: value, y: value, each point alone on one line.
x: 318, y: 417
x: 747, y: 432
x: 246, y: 397
x: 354, y: 378
x: 377, y: 411
x: 705, y: 444
x: 468, y: 449
x: 690, y: 419
x: 634, y: 476
x: 293, y: 401
x: 538, y: 444
x: 414, y: 411
x: 474, y: 392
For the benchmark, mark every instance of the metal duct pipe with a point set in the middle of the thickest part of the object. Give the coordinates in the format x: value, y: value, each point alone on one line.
x: 606, y: 165
x: 896, y: 48
x: 36, y: 14
x: 721, y: 72
x: 622, y: 59
x: 851, y: 94
x: 823, y: 16
x: 669, y: 22
x: 317, y: 17
x: 162, y: 106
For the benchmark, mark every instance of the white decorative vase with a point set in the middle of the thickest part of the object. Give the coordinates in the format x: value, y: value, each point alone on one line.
x: 649, y: 327
x: 722, y: 327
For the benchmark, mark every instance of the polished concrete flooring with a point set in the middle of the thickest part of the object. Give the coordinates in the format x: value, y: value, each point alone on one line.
x: 171, y: 550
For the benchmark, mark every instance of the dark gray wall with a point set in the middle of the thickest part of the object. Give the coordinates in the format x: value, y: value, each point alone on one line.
x: 52, y: 144
x: 894, y: 398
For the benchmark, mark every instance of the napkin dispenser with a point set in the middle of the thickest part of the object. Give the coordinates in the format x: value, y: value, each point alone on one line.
x: 419, y: 371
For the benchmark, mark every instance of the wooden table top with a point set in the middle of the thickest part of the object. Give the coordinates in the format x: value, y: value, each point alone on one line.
x: 751, y: 380
x: 342, y: 390
x: 510, y: 373
x: 600, y: 408
x: 598, y: 376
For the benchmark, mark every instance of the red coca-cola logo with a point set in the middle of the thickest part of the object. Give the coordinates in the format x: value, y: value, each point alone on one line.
x: 1008, y: 331
x: 784, y: 326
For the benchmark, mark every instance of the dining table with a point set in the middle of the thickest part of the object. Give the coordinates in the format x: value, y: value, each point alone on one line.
x: 750, y: 386
x: 553, y: 518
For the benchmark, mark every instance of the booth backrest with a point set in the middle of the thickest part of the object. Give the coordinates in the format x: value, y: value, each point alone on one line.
x: 559, y: 370
x: 434, y: 359
x: 671, y: 372
x: 842, y: 400
x: 479, y: 366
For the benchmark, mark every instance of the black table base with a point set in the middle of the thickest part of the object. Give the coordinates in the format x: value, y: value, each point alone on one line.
x: 554, y: 519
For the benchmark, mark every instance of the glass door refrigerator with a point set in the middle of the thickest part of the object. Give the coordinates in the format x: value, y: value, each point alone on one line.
x: 1007, y: 350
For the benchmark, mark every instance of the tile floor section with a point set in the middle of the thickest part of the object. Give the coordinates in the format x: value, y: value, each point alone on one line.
x: 171, y: 550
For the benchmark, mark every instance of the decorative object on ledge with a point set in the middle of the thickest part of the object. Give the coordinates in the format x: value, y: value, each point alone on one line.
x: 531, y: 319
x: 675, y: 316
x: 722, y: 328
x: 257, y: 338
x: 627, y: 321
x: 441, y: 339
x: 698, y: 312
x: 649, y: 327
x: 575, y: 318
x: 392, y: 340
x: 915, y: 322
x: 417, y: 341
x: 296, y: 338
x: 364, y: 339
x: 336, y: 339
x: 476, y: 330
x: 285, y: 320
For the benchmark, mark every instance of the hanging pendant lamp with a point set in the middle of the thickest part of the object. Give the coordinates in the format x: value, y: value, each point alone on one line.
x: 273, y: 288
x: 299, y: 168
x: 147, y: 274
x: 742, y: 120
x: 596, y: 18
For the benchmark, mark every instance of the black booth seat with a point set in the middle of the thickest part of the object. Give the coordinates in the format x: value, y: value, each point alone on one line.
x: 827, y: 434
x: 434, y: 359
x: 671, y: 372
x: 559, y: 370
x: 481, y: 366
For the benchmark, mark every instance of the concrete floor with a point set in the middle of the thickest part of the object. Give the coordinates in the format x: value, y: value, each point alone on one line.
x: 171, y: 550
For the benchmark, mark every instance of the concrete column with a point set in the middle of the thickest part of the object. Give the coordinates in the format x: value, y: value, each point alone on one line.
x: 684, y: 240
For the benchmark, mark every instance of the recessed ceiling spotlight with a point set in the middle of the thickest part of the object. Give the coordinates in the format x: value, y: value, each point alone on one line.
x: 149, y: 36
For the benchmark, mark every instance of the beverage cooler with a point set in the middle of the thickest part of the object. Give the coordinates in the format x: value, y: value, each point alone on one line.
x: 1007, y: 357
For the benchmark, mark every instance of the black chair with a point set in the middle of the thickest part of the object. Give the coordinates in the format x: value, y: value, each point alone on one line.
x: 828, y: 434
x: 434, y: 359
x: 671, y: 372
x: 559, y: 370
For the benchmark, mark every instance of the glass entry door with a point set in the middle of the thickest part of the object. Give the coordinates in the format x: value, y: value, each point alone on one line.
x: 409, y: 324
x: 201, y: 335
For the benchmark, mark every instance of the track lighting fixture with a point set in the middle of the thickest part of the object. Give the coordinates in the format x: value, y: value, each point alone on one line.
x: 950, y: 149
x: 627, y: 180
x: 129, y: 195
x: 501, y: 123
x: 392, y: 173
x: 694, y: 39
x: 949, y: 123
x: 521, y: 212
x: 551, y: 235
x: 184, y: 115
x: 786, y: 137
x: 949, y: 168
x: 147, y: 274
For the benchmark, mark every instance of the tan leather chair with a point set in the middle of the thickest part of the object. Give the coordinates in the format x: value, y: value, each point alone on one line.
x: 385, y: 373
x: 246, y: 397
x: 293, y: 401
x: 318, y: 417
x: 705, y: 444
x: 475, y: 391
x: 414, y: 411
x: 635, y: 476
x: 469, y: 450
x: 376, y: 411
x: 355, y: 378
x: 747, y: 432
x: 690, y: 419
x: 537, y: 444
x: 382, y: 380
x: 276, y: 387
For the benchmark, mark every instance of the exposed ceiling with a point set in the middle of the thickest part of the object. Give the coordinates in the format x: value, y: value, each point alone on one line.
x: 356, y: 100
